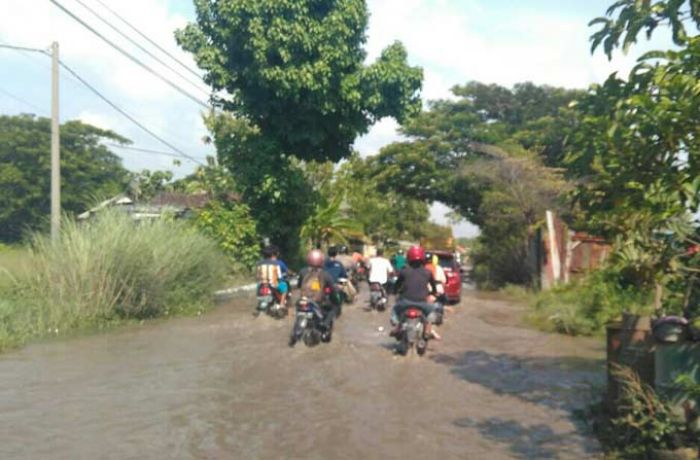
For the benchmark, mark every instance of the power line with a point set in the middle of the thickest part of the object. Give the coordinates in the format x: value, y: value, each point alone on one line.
x: 64, y: 77
x: 19, y: 99
x: 139, y: 46
x: 132, y: 119
x: 140, y: 149
x: 23, y: 48
x: 130, y: 56
x: 135, y: 29
x: 105, y: 99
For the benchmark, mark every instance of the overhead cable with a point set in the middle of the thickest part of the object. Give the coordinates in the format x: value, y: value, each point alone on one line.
x: 132, y: 119
x: 152, y: 42
x: 130, y: 56
x: 145, y: 50
x: 19, y: 99
x: 140, y: 149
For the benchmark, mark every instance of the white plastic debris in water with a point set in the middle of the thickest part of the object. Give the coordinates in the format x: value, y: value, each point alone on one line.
x: 380, y: 328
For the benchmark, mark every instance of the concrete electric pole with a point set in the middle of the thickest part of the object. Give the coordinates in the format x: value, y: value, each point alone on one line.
x: 55, y: 148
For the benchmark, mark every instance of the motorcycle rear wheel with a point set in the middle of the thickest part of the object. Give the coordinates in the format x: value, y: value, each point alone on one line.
x: 311, y: 337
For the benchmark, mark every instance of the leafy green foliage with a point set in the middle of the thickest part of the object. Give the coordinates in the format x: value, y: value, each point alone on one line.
x: 88, y: 170
x: 145, y: 185
x: 271, y: 184
x: 635, y: 16
x: 643, y: 425
x: 384, y: 215
x: 489, y: 156
x: 231, y: 225
x: 635, y: 150
x: 295, y: 69
x: 328, y: 223
x: 106, y: 270
x: 585, y: 306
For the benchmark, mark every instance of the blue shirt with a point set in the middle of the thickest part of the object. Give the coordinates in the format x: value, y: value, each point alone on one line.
x: 283, y: 266
x: 335, y: 269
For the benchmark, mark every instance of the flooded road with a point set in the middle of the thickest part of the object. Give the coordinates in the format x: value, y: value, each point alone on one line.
x: 226, y: 386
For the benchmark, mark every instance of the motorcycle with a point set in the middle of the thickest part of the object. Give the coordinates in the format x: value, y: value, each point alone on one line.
x: 344, y: 292
x: 359, y: 275
x: 377, y: 297
x: 412, y: 332
x: 269, y: 303
x: 392, y: 283
x: 310, y: 325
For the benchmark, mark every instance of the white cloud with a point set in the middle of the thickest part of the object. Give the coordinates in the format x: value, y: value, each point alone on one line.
x: 453, y: 40
x: 381, y: 134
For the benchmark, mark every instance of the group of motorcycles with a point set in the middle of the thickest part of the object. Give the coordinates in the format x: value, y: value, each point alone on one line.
x: 313, y: 322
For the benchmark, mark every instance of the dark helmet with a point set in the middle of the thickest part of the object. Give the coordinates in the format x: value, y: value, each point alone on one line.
x: 415, y: 254
x: 332, y: 251
x: 315, y: 258
x: 428, y: 256
x: 343, y: 249
x: 268, y: 251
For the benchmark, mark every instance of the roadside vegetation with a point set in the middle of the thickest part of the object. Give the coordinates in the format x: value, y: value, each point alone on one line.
x: 106, y: 271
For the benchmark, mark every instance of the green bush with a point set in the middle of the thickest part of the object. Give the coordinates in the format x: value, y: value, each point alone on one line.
x: 107, y: 270
x: 232, y: 226
x: 583, y: 307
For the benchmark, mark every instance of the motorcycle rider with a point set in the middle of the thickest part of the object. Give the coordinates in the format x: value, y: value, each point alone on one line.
x: 337, y: 271
x: 432, y: 263
x: 379, y: 270
x: 416, y: 285
x: 349, y: 265
x: 399, y: 260
x: 269, y: 271
x: 315, y: 282
x: 284, y: 281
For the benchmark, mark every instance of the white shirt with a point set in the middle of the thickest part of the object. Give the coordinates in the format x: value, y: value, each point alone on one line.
x: 379, y: 269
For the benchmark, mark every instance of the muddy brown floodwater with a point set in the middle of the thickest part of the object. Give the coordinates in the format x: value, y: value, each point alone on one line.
x: 226, y: 386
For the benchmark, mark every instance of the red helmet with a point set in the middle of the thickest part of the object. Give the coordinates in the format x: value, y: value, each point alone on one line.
x: 315, y: 258
x: 415, y: 254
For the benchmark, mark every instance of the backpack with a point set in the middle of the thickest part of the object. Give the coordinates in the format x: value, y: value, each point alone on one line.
x: 312, y: 285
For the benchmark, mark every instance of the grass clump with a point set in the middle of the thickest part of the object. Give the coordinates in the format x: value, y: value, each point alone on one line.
x: 108, y: 270
x: 585, y: 306
x: 640, y: 424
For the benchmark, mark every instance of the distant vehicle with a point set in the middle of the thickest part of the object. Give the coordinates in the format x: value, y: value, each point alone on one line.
x: 377, y: 299
x: 453, y: 287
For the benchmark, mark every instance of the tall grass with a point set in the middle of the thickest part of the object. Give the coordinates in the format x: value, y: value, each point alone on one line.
x: 107, y: 270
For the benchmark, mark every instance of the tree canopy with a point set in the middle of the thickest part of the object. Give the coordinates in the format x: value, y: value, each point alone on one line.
x: 489, y: 155
x: 635, y: 151
x: 89, y: 170
x: 295, y: 70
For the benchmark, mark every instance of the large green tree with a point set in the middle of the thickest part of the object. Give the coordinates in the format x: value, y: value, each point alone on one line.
x: 89, y: 170
x: 272, y: 184
x: 489, y: 155
x: 295, y: 69
x: 636, y: 146
x: 453, y: 133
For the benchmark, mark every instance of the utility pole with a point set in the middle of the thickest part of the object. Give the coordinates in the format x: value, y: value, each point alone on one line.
x: 55, y: 148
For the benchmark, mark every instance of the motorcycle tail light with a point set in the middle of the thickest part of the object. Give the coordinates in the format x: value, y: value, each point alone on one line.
x: 413, y: 313
x: 265, y: 290
x: 303, y: 305
x: 327, y: 290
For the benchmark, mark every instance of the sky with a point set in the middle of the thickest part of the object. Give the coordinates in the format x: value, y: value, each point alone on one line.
x: 454, y: 41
